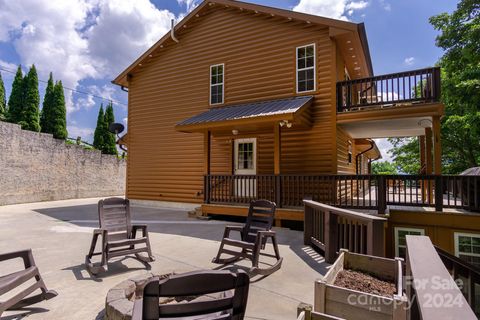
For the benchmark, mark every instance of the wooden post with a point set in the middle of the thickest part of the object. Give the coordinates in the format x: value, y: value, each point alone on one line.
x: 428, y: 150
x: 331, y: 236
x: 382, y: 194
x: 277, y: 150
x: 206, y: 164
x: 423, y: 166
x: 437, y: 146
x: 307, y: 225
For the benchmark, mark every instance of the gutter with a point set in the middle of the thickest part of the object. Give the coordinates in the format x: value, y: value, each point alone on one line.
x: 172, y: 31
x: 372, y: 145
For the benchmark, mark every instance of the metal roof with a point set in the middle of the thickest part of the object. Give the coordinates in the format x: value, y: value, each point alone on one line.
x: 249, y: 110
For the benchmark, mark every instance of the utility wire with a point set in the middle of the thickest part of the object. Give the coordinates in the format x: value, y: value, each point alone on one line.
x: 74, y: 90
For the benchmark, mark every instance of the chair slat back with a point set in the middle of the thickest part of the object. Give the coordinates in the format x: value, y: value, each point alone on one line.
x: 198, y: 283
x: 261, y: 215
x: 114, y: 216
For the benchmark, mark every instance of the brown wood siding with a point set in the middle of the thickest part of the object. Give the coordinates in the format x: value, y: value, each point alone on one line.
x: 342, y: 153
x: 259, y: 57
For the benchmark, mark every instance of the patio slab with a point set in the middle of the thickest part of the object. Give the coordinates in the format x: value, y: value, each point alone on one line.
x: 59, y: 233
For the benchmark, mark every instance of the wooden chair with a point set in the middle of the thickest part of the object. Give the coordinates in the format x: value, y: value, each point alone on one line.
x: 14, y: 280
x: 254, y: 235
x: 213, y: 292
x: 118, y: 235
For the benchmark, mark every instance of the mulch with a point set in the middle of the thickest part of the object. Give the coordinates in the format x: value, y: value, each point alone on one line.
x: 360, y: 281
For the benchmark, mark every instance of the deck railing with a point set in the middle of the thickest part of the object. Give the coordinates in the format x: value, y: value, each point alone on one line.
x: 417, y: 86
x: 329, y: 229
x: 374, y: 192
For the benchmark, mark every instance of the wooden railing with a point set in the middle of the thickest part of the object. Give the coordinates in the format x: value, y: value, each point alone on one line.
x: 374, y: 192
x: 431, y: 290
x: 417, y: 86
x: 329, y: 229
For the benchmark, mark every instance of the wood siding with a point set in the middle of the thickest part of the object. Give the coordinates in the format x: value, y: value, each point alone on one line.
x: 259, y: 56
x: 343, y: 166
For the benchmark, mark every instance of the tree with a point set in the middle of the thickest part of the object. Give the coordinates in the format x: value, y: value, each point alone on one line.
x: 460, y: 39
x: 110, y: 146
x: 406, y: 154
x: 46, y: 118
x: 30, y: 115
x: 3, y: 100
x: 383, y: 167
x: 98, y: 135
x: 59, y: 113
x: 15, y: 101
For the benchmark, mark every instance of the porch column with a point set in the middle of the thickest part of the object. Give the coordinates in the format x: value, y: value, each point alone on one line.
x: 277, y: 148
x: 437, y: 146
x: 428, y: 151
x: 206, y: 164
x: 421, y: 141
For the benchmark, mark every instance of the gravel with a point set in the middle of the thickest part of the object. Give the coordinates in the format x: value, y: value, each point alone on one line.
x: 359, y: 281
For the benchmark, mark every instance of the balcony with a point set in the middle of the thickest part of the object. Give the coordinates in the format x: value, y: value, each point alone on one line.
x: 408, y: 88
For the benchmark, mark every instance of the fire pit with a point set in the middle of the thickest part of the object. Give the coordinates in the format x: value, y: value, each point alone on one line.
x: 120, y: 299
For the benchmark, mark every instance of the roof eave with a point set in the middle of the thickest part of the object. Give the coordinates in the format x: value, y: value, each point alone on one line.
x: 366, y: 49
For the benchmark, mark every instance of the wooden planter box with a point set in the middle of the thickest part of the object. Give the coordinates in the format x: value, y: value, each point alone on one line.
x: 350, y: 304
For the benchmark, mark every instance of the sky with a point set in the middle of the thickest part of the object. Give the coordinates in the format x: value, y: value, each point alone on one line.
x: 86, y: 43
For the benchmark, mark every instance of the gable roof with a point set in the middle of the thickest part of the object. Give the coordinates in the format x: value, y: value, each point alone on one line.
x: 340, y: 27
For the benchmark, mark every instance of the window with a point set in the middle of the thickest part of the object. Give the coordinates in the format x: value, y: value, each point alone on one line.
x: 245, y: 155
x: 216, y: 83
x: 350, y: 152
x: 467, y: 247
x: 401, y: 240
x: 306, y: 78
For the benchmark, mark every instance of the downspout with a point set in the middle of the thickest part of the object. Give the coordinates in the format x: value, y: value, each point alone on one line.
x: 372, y: 145
x: 172, y: 32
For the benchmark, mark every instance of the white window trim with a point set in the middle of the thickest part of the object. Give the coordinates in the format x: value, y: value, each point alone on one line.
x: 397, y: 229
x: 314, y: 67
x: 235, y: 154
x: 456, y: 236
x: 217, y: 84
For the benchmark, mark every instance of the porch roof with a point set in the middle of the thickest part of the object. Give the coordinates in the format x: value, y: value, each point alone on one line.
x: 258, y: 112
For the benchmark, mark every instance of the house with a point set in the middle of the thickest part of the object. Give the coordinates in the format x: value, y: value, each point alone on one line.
x: 241, y: 101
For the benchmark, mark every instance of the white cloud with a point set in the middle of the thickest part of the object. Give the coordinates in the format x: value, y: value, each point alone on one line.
x: 409, y: 61
x: 385, y: 5
x: 190, y: 4
x: 384, y: 146
x: 75, y: 131
x: 335, y: 9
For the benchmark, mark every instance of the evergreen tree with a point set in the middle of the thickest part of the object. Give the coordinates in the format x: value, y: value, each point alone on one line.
x: 30, y: 115
x: 59, y: 113
x: 110, y: 146
x: 46, y: 119
x: 15, y: 101
x: 99, y: 130
x: 3, y: 100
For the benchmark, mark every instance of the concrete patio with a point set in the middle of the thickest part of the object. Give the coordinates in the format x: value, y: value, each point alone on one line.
x: 60, y: 232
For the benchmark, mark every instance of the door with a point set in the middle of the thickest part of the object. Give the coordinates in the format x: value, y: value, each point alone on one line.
x: 245, y: 162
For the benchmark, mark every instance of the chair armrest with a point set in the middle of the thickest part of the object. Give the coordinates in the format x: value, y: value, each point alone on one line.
x: 136, y: 227
x: 99, y: 231
x: 26, y: 255
x: 226, y: 234
x: 265, y: 233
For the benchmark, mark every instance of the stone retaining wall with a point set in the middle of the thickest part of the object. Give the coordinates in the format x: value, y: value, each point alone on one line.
x: 36, y: 167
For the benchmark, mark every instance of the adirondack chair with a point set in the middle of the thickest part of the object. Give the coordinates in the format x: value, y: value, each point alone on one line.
x: 212, y: 289
x: 118, y: 235
x: 254, y: 235
x: 12, y: 281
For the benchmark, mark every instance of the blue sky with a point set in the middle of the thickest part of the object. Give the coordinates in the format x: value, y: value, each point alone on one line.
x: 85, y: 43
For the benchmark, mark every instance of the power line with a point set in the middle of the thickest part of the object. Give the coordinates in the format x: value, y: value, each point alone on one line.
x: 74, y: 90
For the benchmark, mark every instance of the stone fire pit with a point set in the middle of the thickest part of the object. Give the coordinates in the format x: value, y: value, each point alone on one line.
x: 119, y: 301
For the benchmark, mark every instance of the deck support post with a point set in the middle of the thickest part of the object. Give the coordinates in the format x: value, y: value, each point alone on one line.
x: 437, y: 146
x: 277, y: 151
x: 428, y: 151
x: 423, y: 166
x: 206, y: 162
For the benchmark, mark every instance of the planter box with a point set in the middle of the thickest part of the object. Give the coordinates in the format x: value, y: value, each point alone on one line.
x: 350, y: 304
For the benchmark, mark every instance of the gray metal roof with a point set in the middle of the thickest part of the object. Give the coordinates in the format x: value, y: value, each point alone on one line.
x: 249, y: 110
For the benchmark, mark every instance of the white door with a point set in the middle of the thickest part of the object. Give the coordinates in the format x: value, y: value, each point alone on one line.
x: 245, y: 161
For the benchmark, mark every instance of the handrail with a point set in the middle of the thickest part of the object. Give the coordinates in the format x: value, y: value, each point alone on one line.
x: 344, y: 212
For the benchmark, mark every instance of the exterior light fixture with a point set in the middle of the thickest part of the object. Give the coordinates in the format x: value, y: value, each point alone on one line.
x: 235, y: 132
x: 285, y: 123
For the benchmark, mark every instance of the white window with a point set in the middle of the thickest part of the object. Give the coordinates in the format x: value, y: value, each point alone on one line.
x: 245, y: 156
x: 467, y: 247
x: 401, y: 240
x: 306, y: 75
x: 216, y: 83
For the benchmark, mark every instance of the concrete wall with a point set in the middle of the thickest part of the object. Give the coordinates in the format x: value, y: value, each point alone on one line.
x: 37, y: 167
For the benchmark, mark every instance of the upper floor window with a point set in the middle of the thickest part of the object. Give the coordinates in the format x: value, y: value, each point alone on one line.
x: 306, y: 68
x: 216, y: 83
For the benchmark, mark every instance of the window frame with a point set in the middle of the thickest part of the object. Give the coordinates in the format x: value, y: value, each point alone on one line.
x: 236, y: 170
x: 314, y: 68
x: 216, y: 84
x: 456, y: 240
x: 395, y: 234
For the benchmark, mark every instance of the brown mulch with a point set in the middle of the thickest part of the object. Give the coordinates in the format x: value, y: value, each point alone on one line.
x: 359, y: 281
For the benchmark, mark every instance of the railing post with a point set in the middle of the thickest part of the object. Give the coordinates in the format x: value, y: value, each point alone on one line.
x: 278, y: 191
x: 307, y: 225
x: 382, y: 194
x: 331, y: 236
x: 438, y: 193
x: 206, y: 188
x: 339, y: 97
x: 377, y: 238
